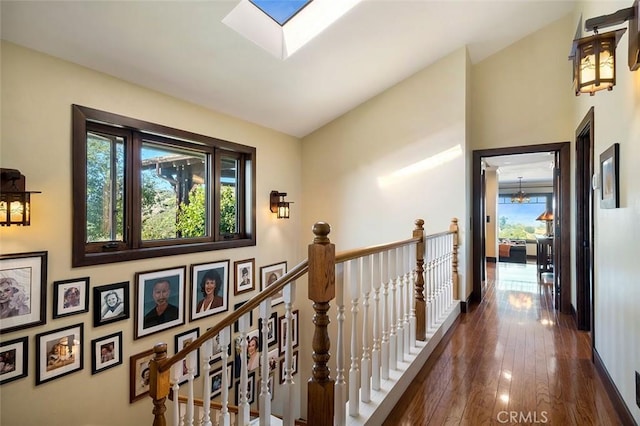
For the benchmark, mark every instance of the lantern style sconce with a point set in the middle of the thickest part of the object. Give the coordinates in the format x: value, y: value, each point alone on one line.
x: 15, y: 202
x: 279, y: 205
x: 594, y: 57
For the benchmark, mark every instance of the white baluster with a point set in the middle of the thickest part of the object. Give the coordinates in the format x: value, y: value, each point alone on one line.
x: 354, y: 371
x: 375, y: 353
x: 207, y: 352
x: 400, y: 304
x: 340, y: 386
x: 265, y: 395
x: 288, y: 419
x: 175, y: 386
x: 190, y: 360
x: 225, y: 341
x: 243, y: 406
x: 384, y: 347
x: 365, y: 376
x: 393, y: 301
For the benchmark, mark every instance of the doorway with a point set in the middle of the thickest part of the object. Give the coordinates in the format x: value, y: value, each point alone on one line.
x: 584, y: 223
x: 561, y: 244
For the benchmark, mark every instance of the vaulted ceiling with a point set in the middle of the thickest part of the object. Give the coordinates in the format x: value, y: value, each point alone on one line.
x: 183, y: 49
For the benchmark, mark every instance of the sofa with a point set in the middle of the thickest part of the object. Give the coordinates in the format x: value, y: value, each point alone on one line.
x: 512, y: 251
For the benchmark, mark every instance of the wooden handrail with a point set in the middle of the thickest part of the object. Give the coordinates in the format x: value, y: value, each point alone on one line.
x: 321, y: 269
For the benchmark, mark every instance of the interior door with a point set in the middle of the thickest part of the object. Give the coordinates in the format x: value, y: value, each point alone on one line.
x: 584, y: 223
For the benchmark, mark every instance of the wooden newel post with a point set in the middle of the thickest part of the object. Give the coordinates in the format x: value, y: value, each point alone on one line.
x: 454, y: 228
x: 322, y: 289
x: 420, y: 304
x: 159, y: 384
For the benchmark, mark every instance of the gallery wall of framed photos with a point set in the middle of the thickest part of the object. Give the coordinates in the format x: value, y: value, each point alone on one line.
x: 115, y: 325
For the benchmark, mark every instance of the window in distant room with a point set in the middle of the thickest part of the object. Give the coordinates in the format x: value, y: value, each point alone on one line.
x: 144, y: 190
x: 518, y: 220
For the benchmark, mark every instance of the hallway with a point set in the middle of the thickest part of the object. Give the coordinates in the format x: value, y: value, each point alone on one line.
x: 513, y: 359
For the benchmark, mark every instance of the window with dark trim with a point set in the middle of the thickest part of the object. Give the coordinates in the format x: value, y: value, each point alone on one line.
x: 144, y: 190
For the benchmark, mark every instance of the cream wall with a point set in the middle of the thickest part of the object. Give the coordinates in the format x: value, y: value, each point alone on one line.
x: 616, y: 286
x: 491, y: 210
x: 37, y: 93
x: 397, y: 157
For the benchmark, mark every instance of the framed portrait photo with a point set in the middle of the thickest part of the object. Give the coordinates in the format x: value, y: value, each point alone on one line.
x: 209, y: 289
x: 160, y: 300
x: 251, y: 385
x: 13, y: 358
x: 106, y: 352
x: 268, y: 275
x: 192, y: 360
x: 59, y: 352
x: 110, y: 303
x: 23, y: 290
x: 139, y: 375
x: 244, y: 276
x: 216, y: 379
x: 70, y: 297
x: 610, y: 175
x: 284, y: 331
x: 272, y: 333
x: 294, y: 367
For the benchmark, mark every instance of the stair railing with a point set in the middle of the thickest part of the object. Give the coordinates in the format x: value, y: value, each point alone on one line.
x: 389, y: 282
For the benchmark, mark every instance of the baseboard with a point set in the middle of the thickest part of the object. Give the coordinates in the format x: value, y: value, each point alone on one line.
x: 618, y: 403
x: 491, y: 259
x: 465, y: 304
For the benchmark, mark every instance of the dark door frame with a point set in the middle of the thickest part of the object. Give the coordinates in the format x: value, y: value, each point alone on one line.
x: 584, y: 222
x: 563, y: 224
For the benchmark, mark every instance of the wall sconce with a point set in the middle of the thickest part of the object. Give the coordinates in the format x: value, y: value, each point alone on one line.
x: 279, y: 205
x: 594, y: 57
x: 15, y: 202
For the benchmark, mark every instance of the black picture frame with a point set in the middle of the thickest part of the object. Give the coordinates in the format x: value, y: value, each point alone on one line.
x: 111, y: 303
x: 251, y: 389
x: 181, y: 340
x: 209, y: 272
x: 59, y: 352
x: 272, y: 323
x: 283, y: 332
x: 610, y: 177
x: 14, y: 355
x: 147, y: 321
x: 70, y: 297
x: 26, y: 274
x: 236, y: 325
x: 106, y: 352
x: 215, y: 379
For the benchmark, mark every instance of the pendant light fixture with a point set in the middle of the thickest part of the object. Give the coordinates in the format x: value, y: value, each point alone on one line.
x: 520, y: 197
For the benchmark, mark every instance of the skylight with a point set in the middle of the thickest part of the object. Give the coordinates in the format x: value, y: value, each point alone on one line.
x: 280, y: 11
x: 303, y: 20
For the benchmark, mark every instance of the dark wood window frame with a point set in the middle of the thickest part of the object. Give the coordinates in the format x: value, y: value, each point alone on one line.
x: 132, y: 248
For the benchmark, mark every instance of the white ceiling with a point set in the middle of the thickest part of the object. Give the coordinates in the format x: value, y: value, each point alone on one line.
x: 182, y: 48
x: 534, y: 168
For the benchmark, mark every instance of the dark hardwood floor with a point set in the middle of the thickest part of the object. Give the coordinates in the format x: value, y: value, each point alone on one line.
x: 513, y: 359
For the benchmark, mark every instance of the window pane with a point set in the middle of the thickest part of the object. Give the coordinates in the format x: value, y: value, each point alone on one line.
x: 105, y: 188
x: 518, y: 220
x: 229, y: 196
x: 173, y: 193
